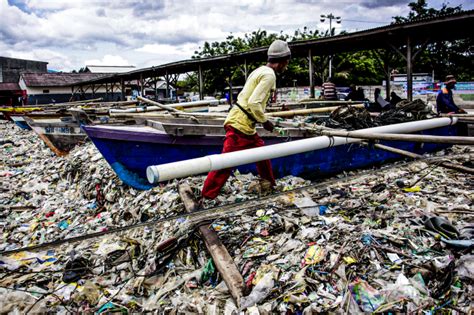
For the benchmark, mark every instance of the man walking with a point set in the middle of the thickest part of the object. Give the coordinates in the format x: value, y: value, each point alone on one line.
x: 247, y: 113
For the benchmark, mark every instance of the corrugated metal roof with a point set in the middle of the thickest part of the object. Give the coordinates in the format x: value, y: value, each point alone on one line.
x: 109, y: 69
x: 9, y: 87
x: 58, y: 79
x: 446, y: 27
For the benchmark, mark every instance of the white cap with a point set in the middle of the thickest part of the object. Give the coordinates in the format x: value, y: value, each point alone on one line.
x: 278, y: 49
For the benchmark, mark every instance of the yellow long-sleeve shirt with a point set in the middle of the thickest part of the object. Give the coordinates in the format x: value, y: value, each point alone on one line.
x: 253, y: 98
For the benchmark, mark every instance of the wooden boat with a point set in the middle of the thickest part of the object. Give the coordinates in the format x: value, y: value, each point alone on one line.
x: 61, y: 129
x: 19, y: 120
x: 131, y: 149
x: 62, y: 133
x: 8, y: 112
x: 60, y: 136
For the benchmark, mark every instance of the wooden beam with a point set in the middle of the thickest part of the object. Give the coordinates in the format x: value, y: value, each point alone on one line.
x: 122, y: 90
x: 311, y: 73
x: 397, y: 50
x: 221, y: 257
x: 201, y: 84
x: 409, y: 70
x: 423, y: 46
x: 302, y: 112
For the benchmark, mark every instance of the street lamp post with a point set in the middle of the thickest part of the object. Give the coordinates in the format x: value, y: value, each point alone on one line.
x: 330, y: 17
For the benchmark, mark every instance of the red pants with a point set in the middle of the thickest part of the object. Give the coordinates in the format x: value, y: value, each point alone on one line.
x: 236, y: 141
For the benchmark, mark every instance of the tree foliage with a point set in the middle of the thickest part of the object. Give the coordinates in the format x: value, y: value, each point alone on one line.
x: 361, y: 68
x: 442, y: 57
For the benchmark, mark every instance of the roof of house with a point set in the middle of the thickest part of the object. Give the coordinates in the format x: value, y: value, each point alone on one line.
x: 58, y: 79
x: 161, y: 85
x: 6, y: 86
x: 109, y: 69
x: 11, y: 58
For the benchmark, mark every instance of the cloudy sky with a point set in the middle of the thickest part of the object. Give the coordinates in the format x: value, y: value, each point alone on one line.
x: 72, y: 33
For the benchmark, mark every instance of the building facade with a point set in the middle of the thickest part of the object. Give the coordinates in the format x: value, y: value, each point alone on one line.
x: 10, y: 70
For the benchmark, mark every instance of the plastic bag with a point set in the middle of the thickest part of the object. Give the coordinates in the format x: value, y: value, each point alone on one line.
x: 368, y: 298
x: 259, y: 292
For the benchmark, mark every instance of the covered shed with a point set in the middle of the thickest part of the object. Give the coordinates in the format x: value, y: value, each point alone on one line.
x: 109, y: 69
x: 405, y: 39
x: 43, y: 88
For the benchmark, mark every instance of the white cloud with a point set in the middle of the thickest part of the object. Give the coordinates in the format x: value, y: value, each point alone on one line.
x: 108, y: 60
x: 148, y: 31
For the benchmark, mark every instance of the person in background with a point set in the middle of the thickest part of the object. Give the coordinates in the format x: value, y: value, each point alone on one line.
x: 355, y: 94
x: 444, y: 100
x: 352, y: 96
x: 380, y: 101
x: 249, y: 111
x: 329, y: 90
x: 360, y: 94
x: 394, y: 99
x: 135, y: 93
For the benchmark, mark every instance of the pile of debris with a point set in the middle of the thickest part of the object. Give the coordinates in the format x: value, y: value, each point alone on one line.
x: 352, y: 118
x: 394, y: 239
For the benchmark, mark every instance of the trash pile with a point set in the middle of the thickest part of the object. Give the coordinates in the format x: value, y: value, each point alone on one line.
x: 351, y: 118
x: 396, y: 239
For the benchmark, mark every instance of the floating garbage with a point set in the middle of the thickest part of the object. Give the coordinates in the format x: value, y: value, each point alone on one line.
x: 359, y: 242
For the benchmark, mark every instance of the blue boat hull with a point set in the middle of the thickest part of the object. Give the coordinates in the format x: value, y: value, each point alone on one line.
x: 130, y: 157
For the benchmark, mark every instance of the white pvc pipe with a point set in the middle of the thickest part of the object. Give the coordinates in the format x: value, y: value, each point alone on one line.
x: 164, y: 172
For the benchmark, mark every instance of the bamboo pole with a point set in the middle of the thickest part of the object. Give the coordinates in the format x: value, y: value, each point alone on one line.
x: 412, y: 155
x: 221, y: 257
x: 302, y: 112
x: 400, y: 137
x: 165, y: 107
x: 70, y: 103
x: 458, y: 115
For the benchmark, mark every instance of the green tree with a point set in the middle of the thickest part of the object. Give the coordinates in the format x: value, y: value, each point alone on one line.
x: 442, y: 57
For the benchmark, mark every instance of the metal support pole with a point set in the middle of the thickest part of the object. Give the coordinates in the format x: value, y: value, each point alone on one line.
x: 201, y: 93
x: 122, y: 89
x: 141, y: 85
x: 245, y: 69
x: 409, y: 71
x: 387, y: 79
x: 311, y: 71
x: 231, y: 93
x: 167, y: 79
x: 156, y: 92
x: 330, y: 56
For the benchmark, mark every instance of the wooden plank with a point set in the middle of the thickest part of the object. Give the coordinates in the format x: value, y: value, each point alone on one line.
x: 302, y: 112
x: 221, y: 257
